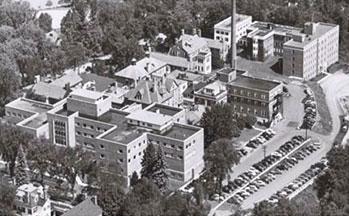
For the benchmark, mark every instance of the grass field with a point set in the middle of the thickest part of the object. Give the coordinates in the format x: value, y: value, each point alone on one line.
x: 324, y: 126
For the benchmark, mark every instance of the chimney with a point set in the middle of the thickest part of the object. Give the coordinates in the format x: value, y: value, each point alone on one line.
x: 233, y: 34
x: 133, y: 61
x: 199, y: 32
x: 147, y: 54
x: 182, y: 31
x: 194, y: 31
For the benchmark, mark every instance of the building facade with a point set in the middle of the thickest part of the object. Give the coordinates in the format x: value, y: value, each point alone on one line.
x: 222, y: 30
x: 196, y: 50
x: 311, y: 53
x: 252, y: 96
x: 31, y: 201
x: 115, y: 135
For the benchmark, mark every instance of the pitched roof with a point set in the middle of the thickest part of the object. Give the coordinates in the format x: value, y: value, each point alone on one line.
x: 132, y: 72
x: 141, y: 69
x: 150, y: 92
x: 71, y: 78
x: 171, y: 60
x: 85, y: 208
x: 101, y: 83
x: 49, y: 90
x: 192, y: 43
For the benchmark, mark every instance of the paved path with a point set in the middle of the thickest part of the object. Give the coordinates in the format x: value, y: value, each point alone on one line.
x: 334, y: 87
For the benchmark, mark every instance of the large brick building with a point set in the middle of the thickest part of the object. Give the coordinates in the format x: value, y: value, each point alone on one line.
x: 252, y: 96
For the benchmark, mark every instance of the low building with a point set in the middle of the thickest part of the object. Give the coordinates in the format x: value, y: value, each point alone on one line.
x: 140, y: 70
x: 29, y: 115
x: 195, y: 49
x: 166, y: 91
x: 31, y: 200
x: 251, y: 96
x: 87, y: 119
x: 211, y: 94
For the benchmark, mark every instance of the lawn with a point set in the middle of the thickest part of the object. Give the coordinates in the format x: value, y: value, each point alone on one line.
x: 324, y: 126
x: 245, y: 136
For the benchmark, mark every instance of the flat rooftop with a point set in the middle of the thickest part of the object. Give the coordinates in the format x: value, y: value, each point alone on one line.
x: 276, y: 27
x: 165, y: 110
x: 185, y: 75
x: 226, y: 23
x: 29, y: 106
x: 180, y: 132
x: 88, y: 94
x: 123, y: 133
x: 37, y: 122
x: 321, y: 29
x: 149, y: 117
x: 254, y: 83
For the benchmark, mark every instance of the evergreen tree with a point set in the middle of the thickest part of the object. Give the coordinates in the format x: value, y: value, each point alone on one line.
x: 21, y: 175
x: 160, y: 177
x: 134, y: 179
x: 154, y: 167
x: 148, y: 161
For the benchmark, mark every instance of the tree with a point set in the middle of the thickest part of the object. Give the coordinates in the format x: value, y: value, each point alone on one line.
x: 21, y: 176
x: 332, y: 185
x: 220, y: 157
x: 143, y: 200
x: 218, y: 122
x: 75, y: 53
x: 148, y: 161
x: 134, y: 179
x: 41, y: 155
x: 15, y: 13
x: 9, y: 81
x: 11, y: 138
x: 7, y: 199
x: 45, y: 22
x: 72, y: 162
x: 154, y: 167
x: 160, y: 177
x: 110, y: 192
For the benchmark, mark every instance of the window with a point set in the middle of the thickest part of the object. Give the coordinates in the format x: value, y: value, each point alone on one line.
x: 121, y: 151
x: 60, y: 133
x: 121, y: 160
x: 129, y: 160
x: 102, y: 146
x: 102, y: 156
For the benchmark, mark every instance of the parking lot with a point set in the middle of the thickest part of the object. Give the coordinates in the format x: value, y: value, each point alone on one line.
x: 285, y: 130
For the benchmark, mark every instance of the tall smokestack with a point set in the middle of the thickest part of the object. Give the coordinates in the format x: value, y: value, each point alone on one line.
x: 233, y: 34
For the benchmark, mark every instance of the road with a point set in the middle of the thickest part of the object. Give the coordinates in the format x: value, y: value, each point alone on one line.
x: 334, y: 86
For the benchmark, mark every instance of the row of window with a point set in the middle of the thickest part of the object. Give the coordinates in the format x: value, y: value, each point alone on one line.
x: 249, y: 101
x: 248, y: 93
x: 19, y: 115
x: 167, y: 145
x: 241, y: 109
x: 78, y: 133
x: 91, y: 127
x: 171, y: 155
